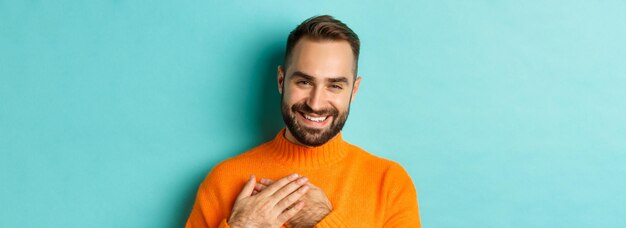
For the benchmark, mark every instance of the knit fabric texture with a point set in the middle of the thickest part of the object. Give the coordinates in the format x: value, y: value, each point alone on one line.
x: 365, y: 190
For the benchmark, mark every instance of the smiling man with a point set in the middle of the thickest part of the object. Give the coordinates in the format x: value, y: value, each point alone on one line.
x: 308, y: 175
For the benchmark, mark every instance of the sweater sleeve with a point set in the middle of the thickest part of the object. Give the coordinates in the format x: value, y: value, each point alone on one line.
x: 207, y: 210
x: 401, y: 201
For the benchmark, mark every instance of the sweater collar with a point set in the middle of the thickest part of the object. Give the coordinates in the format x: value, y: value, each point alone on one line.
x: 307, y: 157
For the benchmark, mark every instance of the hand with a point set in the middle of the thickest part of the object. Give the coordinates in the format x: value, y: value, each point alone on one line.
x: 273, y: 207
x: 317, y: 205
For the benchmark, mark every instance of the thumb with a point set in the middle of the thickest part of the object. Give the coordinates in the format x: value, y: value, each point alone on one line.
x: 248, y: 188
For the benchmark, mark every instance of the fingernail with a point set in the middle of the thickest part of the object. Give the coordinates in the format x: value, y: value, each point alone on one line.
x: 293, y: 176
x: 303, y: 180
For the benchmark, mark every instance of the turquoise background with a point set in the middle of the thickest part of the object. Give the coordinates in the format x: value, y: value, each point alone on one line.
x: 504, y: 113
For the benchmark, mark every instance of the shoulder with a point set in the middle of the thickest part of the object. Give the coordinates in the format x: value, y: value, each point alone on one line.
x: 381, y: 164
x: 387, y: 173
x: 390, y: 175
x: 246, y: 158
x: 234, y: 168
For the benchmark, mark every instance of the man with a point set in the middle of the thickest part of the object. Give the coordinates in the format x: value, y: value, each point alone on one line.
x: 310, y: 177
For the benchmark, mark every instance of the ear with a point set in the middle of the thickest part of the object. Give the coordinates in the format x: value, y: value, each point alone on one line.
x: 355, y: 88
x: 280, y: 78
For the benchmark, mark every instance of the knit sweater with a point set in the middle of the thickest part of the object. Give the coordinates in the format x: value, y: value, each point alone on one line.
x: 364, y: 190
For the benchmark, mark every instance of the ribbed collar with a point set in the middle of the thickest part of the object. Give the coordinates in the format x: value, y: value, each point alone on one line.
x: 307, y: 157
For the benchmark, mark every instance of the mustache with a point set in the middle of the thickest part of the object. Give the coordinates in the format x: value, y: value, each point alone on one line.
x: 303, y: 107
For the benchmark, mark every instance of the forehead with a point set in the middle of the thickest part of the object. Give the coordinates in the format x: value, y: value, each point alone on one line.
x: 322, y: 59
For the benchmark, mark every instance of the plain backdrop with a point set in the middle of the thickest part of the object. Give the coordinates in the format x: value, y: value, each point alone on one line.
x: 504, y: 113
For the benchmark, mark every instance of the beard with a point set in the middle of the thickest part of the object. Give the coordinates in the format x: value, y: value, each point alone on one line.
x: 312, y: 136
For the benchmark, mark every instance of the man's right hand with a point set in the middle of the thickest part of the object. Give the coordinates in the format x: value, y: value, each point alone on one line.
x: 317, y: 207
x: 272, y: 207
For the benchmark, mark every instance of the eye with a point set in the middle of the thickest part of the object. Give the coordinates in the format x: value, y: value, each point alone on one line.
x: 338, y: 87
x: 303, y: 82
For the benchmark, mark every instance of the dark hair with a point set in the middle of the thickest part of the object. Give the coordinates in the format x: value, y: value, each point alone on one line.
x: 323, y: 27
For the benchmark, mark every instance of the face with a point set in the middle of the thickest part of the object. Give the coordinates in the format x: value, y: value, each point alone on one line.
x: 316, y: 90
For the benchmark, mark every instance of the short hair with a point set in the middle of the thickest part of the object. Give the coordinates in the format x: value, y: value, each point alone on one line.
x: 323, y: 27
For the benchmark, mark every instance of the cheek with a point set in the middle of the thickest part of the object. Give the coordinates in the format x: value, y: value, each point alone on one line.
x: 341, y: 103
x: 292, y: 96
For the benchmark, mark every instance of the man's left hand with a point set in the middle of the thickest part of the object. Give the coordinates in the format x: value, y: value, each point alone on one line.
x: 316, y: 205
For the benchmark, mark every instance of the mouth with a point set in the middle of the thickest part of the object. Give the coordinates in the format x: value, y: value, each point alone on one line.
x: 315, y: 121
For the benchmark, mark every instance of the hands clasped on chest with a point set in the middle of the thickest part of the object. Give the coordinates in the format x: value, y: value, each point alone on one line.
x: 291, y: 201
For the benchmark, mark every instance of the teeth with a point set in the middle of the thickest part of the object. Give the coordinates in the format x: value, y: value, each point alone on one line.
x: 316, y: 119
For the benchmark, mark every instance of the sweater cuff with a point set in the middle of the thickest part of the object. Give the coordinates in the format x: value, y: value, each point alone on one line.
x: 223, y: 224
x: 332, y: 220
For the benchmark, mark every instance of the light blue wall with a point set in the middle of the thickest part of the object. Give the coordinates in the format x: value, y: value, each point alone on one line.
x: 505, y: 113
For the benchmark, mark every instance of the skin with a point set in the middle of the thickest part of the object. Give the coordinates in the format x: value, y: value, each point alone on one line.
x: 321, y: 75
x: 273, y: 207
x: 317, y: 205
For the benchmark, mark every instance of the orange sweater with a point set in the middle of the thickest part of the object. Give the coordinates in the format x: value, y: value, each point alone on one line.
x: 365, y: 191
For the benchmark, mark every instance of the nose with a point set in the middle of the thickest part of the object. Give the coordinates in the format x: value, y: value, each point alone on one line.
x: 316, y: 99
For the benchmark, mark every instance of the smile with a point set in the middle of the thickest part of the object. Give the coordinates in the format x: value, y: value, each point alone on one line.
x: 315, y: 120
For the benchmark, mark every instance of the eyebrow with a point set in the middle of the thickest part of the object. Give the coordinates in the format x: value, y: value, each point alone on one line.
x: 311, y: 78
x: 303, y: 75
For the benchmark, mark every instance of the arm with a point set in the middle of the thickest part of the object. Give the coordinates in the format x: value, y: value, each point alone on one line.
x: 202, y: 213
x: 401, y: 200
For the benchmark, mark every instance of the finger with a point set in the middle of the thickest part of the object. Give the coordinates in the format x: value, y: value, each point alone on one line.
x: 248, y: 188
x: 259, y: 187
x: 291, y: 193
x: 292, y: 198
x: 266, y: 182
x: 289, y: 213
x: 271, y: 189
